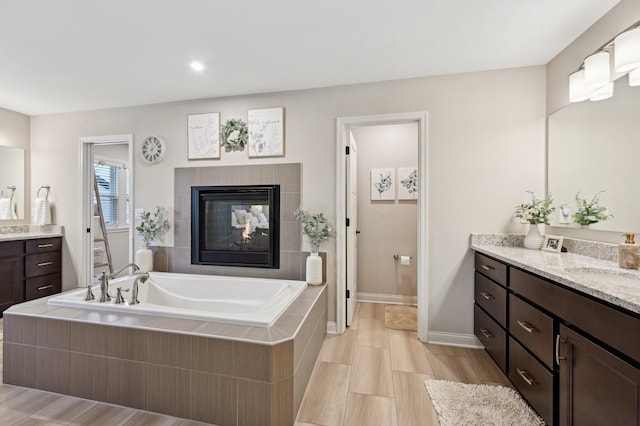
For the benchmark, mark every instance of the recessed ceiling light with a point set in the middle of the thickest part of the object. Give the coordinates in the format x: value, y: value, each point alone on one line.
x: 196, y: 65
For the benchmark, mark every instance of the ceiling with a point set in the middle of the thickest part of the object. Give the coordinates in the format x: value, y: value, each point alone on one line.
x: 75, y: 55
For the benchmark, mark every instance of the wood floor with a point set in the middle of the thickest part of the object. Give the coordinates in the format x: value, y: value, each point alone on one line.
x: 369, y: 376
x: 372, y: 375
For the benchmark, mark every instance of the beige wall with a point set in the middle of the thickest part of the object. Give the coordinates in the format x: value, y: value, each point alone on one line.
x: 387, y: 227
x: 15, y: 131
x: 486, y: 147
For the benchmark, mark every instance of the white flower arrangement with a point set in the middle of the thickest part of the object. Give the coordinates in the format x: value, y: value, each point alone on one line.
x: 590, y: 212
x: 537, y: 211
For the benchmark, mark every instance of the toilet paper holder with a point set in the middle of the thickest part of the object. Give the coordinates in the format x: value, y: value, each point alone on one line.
x: 397, y: 256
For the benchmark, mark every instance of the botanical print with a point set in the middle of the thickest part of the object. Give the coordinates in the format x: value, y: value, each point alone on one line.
x: 408, y: 188
x: 382, y: 187
x: 266, y: 132
x: 203, y: 136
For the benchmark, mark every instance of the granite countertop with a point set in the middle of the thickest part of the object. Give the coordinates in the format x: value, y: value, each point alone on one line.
x: 572, y: 270
x: 29, y: 232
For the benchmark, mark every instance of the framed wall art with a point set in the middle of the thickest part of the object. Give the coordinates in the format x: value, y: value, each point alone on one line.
x: 203, y: 136
x: 382, y: 184
x: 266, y: 132
x: 407, y: 183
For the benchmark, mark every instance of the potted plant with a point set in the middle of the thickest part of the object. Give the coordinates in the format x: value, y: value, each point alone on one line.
x: 152, y: 225
x: 535, y: 213
x: 589, y: 212
x: 318, y: 230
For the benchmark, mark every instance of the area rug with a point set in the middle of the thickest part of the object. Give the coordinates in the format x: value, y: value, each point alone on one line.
x: 400, y: 317
x: 465, y: 404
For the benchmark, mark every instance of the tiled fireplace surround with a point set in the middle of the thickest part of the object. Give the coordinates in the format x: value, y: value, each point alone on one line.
x: 216, y: 373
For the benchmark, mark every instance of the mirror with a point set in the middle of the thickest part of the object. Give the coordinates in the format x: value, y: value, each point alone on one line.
x: 595, y: 146
x: 12, y: 201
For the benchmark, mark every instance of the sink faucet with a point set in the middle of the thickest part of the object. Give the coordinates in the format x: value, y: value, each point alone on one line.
x: 104, y: 281
x: 141, y: 278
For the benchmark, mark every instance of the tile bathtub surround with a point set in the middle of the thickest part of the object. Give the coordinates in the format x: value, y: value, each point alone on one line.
x: 288, y: 176
x: 187, y: 371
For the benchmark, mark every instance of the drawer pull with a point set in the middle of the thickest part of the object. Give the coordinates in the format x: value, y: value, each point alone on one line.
x: 44, y: 245
x: 486, y: 333
x: 44, y: 287
x: 486, y: 295
x: 558, y: 357
x: 44, y: 264
x: 524, y: 374
x: 528, y: 327
x: 487, y: 267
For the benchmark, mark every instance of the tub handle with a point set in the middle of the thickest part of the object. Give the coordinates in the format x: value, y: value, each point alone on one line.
x: 119, y: 297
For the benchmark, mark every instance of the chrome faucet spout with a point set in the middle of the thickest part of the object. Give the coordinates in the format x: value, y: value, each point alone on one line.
x: 119, y: 271
x: 140, y: 278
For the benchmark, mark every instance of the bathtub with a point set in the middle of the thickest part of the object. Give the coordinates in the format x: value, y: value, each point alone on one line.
x: 232, y: 300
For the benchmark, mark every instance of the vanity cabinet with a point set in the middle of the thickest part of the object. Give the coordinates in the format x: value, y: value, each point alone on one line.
x: 573, y: 357
x: 29, y: 269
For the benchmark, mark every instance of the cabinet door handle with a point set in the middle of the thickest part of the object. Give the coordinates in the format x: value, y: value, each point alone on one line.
x: 486, y: 333
x: 558, y: 357
x: 44, y: 264
x: 44, y: 245
x: 486, y: 295
x: 528, y: 327
x: 44, y: 287
x: 487, y: 267
x: 524, y: 374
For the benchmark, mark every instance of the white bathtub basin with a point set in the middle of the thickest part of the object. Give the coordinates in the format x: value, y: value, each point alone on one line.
x: 233, y: 300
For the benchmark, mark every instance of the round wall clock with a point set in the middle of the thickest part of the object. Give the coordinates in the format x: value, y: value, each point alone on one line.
x: 153, y: 149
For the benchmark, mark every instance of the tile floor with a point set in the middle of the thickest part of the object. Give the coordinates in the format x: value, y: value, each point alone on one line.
x: 369, y: 376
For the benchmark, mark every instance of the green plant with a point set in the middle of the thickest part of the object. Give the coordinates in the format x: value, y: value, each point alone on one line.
x: 315, y: 226
x: 234, y: 135
x: 589, y: 212
x: 152, y: 225
x: 537, y: 211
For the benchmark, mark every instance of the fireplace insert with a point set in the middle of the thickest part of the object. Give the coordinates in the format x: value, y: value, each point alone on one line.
x: 235, y: 225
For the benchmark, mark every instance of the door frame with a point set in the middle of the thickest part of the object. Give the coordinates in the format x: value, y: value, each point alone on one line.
x: 343, y: 125
x: 85, y: 253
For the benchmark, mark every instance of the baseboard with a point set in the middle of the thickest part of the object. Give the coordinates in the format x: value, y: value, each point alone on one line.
x: 392, y: 299
x: 332, y: 327
x: 454, y: 339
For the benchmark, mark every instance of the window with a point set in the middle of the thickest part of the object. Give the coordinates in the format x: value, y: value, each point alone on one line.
x: 113, y: 186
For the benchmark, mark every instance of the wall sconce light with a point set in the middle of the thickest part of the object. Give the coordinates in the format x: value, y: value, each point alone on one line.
x: 593, y: 79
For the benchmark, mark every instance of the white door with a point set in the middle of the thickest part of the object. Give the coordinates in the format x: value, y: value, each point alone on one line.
x: 352, y: 228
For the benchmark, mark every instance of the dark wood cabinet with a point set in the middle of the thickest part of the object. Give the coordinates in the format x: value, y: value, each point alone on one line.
x: 29, y: 269
x: 574, y: 358
x: 596, y: 387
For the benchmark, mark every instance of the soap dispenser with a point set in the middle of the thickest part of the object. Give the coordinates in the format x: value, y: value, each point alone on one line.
x: 629, y: 253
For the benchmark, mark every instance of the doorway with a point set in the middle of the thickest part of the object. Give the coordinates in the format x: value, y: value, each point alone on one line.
x: 345, y: 264
x: 110, y: 158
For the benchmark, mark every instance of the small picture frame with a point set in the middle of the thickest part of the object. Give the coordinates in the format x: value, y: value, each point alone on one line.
x: 203, y: 136
x: 552, y: 243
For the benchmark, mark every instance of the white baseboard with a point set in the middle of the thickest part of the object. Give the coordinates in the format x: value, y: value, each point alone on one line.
x: 393, y: 299
x: 332, y: 327
x: 454, y: 339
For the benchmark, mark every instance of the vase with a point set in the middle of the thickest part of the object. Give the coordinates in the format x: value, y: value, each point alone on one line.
x: 144, y: 259
x: 533, y: 240
x: 314, y: 269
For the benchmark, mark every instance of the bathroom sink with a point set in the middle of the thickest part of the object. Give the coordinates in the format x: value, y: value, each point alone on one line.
x: 613, y: 276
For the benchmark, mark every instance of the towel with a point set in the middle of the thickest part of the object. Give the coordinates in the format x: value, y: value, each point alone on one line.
x: 42, y: 212
x: 5, y: 208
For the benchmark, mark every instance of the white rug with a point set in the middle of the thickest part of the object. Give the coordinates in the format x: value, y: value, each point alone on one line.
x: 464, y: 404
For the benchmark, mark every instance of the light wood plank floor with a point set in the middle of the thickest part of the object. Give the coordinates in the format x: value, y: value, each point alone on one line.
x: 372, y: 375
x: 369, y: 376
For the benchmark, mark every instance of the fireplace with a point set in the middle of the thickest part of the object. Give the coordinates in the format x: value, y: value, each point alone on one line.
x: 235, y: 225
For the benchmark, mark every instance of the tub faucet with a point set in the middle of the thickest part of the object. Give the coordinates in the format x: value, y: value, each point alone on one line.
x: 104, y: 281
x: 128, y: 265
x: 141, y: 278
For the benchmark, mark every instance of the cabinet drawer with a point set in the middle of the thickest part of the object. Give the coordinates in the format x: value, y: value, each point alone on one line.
x: 11, y: 248
x: 533, y: 381
x: 41, y: 264
x: 492, y: 336
x: 609, y: 325
x: 532, y: 327
x: 492, y: 298
x: 43, y: 286
x: 493, y: 269
x: 44, y: 244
